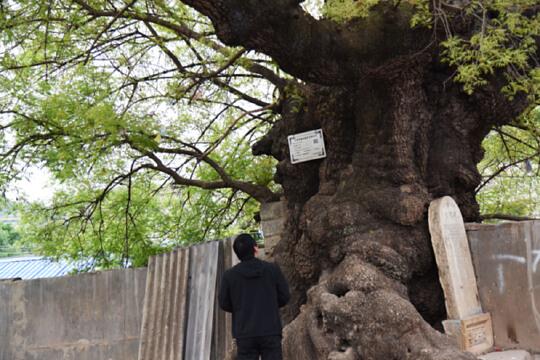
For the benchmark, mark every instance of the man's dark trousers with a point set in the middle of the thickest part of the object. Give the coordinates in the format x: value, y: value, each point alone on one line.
x: 267, y: 347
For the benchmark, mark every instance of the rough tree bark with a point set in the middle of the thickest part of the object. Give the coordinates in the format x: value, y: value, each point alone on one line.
x: 398, y: 134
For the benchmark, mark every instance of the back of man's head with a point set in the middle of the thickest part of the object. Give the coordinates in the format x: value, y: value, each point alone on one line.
x: 244, y: 246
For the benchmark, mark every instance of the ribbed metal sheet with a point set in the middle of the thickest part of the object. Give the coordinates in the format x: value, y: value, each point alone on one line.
x: 33, y: 267
x: 164, y: 311
x: 222, y: 343
x: 181, y: 319
x: 202, y: 299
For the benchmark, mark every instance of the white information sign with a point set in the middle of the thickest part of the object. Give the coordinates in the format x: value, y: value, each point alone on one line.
x: 307, y: 146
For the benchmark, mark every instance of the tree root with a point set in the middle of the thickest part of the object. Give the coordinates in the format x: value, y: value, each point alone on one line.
x: 357, y: 312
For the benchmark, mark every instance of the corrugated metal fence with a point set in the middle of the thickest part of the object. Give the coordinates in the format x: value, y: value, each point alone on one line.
x: 181, y: 320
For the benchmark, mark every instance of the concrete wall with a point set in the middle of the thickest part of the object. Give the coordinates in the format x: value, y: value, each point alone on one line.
x: 507, y: 264
x: 84, y: 317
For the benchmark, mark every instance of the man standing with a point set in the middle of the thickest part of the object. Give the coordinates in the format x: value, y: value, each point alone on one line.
x: 253, y: 291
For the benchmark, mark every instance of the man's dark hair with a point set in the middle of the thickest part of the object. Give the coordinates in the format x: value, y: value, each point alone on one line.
x: 244, y: 246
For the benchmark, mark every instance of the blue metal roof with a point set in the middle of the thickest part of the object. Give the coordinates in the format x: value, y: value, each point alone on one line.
x: 33, y: 267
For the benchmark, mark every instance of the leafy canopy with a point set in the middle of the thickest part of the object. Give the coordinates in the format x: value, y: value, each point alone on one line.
x: 510, y: 170
x: 138, y: 110
x: 134, y: 113
x: 504, y: 38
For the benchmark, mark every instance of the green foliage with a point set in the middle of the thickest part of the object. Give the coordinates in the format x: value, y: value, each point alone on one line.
x: 113, y: 219
x: 422, y: 15
x: 126, y: 114
x: 506, y: 40
x: 129, y: 111
x: 75, y: 228
x: 128, y: 225
x: 344, y: 10
x: 9, y: 238
x: 8, y: 235
x: 513, y: 155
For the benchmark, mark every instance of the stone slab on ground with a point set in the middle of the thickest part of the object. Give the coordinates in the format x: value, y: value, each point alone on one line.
x: 508, y: 355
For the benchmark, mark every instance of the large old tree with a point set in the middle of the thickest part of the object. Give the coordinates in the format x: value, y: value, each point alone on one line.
x: 404, y: 91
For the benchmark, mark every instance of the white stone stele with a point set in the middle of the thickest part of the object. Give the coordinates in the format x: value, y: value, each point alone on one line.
x: 507, y: 355
x: 456, y: 272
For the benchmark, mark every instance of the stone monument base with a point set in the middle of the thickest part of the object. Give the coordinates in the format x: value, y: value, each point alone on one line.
x: 473, y: 334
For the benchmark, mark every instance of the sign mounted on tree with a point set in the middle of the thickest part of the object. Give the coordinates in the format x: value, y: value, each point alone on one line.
x: 306, y: 146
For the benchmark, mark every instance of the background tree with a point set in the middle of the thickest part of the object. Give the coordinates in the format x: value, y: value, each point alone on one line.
x: 131, y: 222
x: 9, y: 234
x: 405, y: 92
x: 8, y: 238
x: 509, y: 169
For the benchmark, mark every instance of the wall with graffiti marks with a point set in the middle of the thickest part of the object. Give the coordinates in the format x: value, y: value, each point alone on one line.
x: 506, y: 258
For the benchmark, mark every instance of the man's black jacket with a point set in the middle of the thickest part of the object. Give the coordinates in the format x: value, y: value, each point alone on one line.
x: 253, y: 291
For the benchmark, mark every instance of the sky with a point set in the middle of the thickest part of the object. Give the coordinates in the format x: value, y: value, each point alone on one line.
x: 35, y: 186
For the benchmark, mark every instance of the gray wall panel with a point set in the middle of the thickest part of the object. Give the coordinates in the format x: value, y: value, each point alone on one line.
x: 507, y: 263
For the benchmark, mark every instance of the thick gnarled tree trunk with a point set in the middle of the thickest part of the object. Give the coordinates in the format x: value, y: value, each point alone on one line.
x: 357, y: 247
x: 398, y: 134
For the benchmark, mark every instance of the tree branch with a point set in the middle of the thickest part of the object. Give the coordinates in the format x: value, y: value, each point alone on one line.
x: 183, y: 31
x: 106, y: 28
x: 319, y: 51
x: 258, y: 192
x: 502, y: 169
